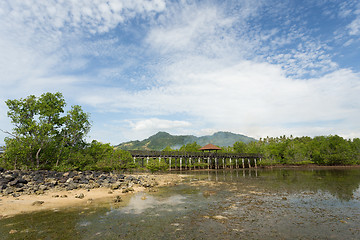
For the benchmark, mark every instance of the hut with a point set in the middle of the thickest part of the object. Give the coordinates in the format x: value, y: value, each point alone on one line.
x: 210, y: 147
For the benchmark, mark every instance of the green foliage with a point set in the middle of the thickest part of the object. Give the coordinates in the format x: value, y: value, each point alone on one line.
x: 322, y: 150
x: 240, y: 147
x: 44, y: 137
x: 155, y: 165
x: 168, y: 149
x: 200, y: 165
x: 190, y: 147
x: 332, y: 150
x: 42, y: 131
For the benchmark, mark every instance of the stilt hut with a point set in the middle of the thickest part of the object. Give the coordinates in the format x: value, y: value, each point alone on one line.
x: 210, y: 147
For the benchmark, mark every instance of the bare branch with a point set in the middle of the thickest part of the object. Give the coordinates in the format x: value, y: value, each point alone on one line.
x: 9, y: 133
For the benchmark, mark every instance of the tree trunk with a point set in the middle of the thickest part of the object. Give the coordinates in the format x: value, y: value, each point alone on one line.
x: 58, y: 157
x: 37, y: 158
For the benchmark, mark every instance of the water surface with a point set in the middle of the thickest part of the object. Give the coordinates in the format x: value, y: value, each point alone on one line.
x: 231, y: 204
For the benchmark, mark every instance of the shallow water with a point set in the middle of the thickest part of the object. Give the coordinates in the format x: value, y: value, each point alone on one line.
x: 232, y: 204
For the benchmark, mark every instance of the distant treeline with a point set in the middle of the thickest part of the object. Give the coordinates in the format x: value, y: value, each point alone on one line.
x: 321, y: 150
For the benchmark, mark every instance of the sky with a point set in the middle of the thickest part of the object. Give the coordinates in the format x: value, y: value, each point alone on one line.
x: 254, y: 67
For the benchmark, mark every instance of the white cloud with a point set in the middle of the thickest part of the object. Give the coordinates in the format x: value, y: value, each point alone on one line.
x: 99, y: 15
x: 354, y: 27
x: 188, y: 29
x: 249, y: 97
x: 156, y: 124
x: 214, y: 65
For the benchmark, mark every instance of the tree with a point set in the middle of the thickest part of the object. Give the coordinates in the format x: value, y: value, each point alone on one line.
x: 42, y: 132
x: 168, y: 149
x: 190, y: 147
x: 239, y: 147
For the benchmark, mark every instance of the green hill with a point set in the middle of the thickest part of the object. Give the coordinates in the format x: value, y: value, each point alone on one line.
x: 162, y: 139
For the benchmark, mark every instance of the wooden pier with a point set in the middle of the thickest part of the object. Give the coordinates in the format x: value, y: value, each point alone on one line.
x: 196, y: 160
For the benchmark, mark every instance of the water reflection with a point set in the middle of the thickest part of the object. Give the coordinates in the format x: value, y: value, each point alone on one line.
x: 341, y: 183
x: 139, y: 203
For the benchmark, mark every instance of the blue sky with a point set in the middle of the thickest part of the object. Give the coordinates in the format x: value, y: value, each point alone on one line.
x: 255, y: 67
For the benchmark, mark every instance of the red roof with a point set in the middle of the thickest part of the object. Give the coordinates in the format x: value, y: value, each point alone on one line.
x: 210, y: 147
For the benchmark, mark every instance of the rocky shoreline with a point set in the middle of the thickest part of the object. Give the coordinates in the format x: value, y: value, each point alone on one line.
x: 29, y: 191
x: 17, y: 183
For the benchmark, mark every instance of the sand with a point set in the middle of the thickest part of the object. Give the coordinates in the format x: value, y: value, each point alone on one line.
x: 55, y: 200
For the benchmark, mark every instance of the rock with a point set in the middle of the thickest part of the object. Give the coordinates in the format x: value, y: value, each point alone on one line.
x: 19, y: 187
x: 103, y: 177
x: 39, y: 192
x: 38, y: 182
x: 26, y: 178
x: 23, y: 181
x: 115, y: 186
x: 76, y: 179
x: 71, y: 186
x: 3, y: 185
x: 13, y: 183
x: 8, y: 178
x: 62, y: 180
x: 84, y: 180
x: 2, y: 169
x: 43, y: 188
x: 125, y: 190
x: 105, y: 182
x: 8, y: 191
x: 51, y: 181
x: 70, y: 180
x: 37, y: 203
x: 80, y: 195
x: 117, y: 199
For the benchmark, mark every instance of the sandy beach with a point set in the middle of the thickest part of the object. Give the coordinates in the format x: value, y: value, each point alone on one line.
x: 53, y: 200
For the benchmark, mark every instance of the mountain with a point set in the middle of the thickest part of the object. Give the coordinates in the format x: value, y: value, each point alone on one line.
x: 162, y: 139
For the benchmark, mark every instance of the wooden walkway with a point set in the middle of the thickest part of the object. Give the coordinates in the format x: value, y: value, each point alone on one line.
x: 197, y: 160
